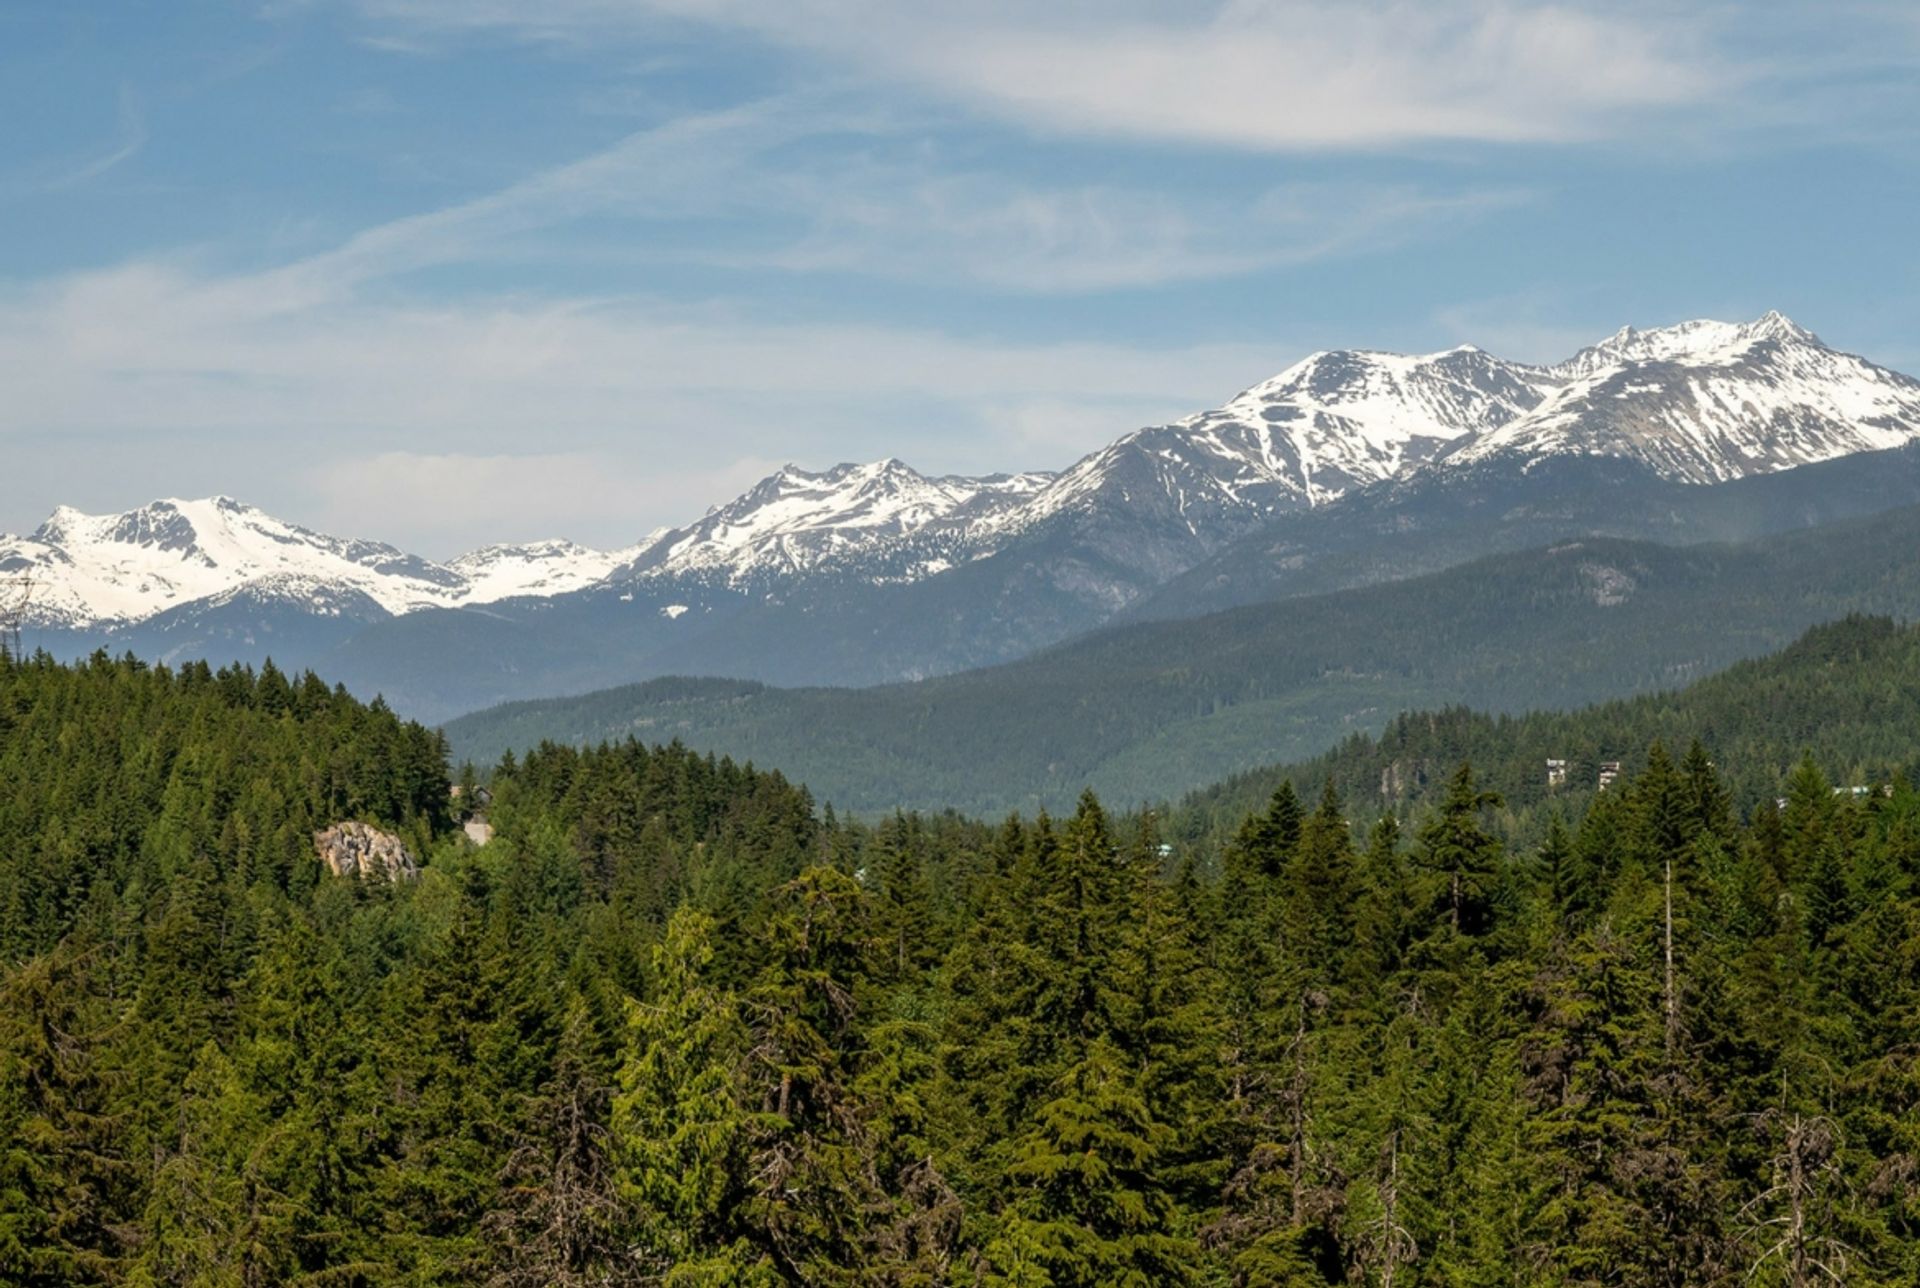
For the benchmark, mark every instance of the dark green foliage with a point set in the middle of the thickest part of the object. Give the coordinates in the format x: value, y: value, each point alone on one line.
x: 672, y: 1026
x: 1844, y: 692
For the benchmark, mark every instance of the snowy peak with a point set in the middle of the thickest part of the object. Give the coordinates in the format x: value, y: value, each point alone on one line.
x: 115, y: 569
x: 1697, y: 343
x: 796, y: 519
x: 127, y: 567
x: 539, y: 568
x: 1704, y: 402
x: 1336, y: 420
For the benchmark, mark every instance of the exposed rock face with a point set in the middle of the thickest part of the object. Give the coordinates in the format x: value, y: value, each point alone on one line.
x: 355, y: 849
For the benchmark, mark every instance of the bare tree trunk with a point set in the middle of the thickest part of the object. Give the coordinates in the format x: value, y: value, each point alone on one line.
x: 1670, y: 1001
x: 1391, y: 1195
x: 1299, y: 1098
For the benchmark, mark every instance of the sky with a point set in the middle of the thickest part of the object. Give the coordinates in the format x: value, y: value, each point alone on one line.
x: 451, y: 272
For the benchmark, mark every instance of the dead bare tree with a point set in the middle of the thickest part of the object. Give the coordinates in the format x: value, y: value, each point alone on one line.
x: 1385, y: 1242
x: 15, y: 594
x: 1791, y: 1221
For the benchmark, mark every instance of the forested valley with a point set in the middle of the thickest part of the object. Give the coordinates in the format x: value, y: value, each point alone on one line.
x: 678, y: 1023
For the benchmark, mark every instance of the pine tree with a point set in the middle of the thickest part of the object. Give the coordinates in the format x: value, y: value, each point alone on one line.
x: 680, y: 1133
x: 63, y: 1174
x: 815, y: 1188
x: 560, y: 1221
x: 1458, y: 850
x: 902, y: 906
x: 1089, y: 1209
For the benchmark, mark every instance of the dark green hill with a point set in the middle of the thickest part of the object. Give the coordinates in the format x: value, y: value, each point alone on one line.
x: 1149, y: 711
x: 1848, y: 692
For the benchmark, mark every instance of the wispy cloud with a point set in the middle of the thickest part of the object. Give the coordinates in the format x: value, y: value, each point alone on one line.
x: 868, y: 200
x: 130, y: 135
x: 1258, y: 74
x: 107, y: 372
x: 987, y: 230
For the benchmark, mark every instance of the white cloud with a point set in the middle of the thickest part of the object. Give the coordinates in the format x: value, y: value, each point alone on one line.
x: 986, y: 230
x: 626, y: 413
x: 868, y: 200
x: 457, y: 501
x: 1260, y: 74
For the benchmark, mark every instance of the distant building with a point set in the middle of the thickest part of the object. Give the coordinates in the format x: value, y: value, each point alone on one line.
x: 1609, y: 773
x: 481, y: 796
x: 1556, y: 774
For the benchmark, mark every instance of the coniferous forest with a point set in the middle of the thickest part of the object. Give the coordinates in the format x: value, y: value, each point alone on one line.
x: 677, y: 1023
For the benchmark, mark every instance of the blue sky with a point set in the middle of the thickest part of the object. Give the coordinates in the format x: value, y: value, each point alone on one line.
x: 448, y: 271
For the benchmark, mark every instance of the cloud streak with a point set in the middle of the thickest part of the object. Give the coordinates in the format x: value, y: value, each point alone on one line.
x: 868, y: 199
x: 626, y: 410
x: 1268, y: 75
x: 130, y: 136
x: 338, y: 349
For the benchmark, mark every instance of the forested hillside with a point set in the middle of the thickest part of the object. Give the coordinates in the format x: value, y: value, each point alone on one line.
x: 1848, y: 692
x: 1151, y: 711
x: 675, y: 1025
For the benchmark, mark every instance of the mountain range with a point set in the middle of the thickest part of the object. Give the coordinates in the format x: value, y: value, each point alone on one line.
x: 1149, y: 710
x: 1348, y: 468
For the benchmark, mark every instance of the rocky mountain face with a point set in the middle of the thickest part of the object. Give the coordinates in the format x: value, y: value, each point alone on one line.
x: 866, y: 573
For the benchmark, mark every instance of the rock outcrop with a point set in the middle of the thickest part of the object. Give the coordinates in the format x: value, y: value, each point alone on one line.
x: 355, y: 849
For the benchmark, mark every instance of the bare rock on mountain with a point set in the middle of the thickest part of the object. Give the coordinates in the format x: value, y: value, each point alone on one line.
x: 356, y: 849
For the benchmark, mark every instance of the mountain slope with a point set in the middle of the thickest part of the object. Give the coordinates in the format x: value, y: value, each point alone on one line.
x: 1437, y: 519
x: 1848, y: 692
x: 1160, y: 707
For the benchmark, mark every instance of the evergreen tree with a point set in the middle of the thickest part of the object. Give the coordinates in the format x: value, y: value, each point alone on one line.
x: 1457, y: 849
x: 1089, y: 1209
x: 680, y: 1133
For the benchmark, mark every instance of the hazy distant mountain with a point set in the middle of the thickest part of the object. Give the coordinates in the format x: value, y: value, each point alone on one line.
x: 1149, y: 710
x: 1349, y: 467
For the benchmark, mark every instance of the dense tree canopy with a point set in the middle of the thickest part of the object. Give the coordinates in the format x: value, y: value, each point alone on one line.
x: 676, y: 1025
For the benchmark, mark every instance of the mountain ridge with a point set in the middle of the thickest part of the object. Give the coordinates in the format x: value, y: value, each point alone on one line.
x: 1142, y: 711
x: 1347, y: 468
x: 1699, y: 402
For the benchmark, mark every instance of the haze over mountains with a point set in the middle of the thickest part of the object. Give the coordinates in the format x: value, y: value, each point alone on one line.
x: 1146, y: 711
x: 1348, y: 468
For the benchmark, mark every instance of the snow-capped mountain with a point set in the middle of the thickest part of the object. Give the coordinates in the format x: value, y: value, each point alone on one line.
x: 112, y: 570
x: 795, y: 521
x: 92, y: 570
x: 1700, y: 402
x: 1704, y: 402
x: 1335, y: 421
